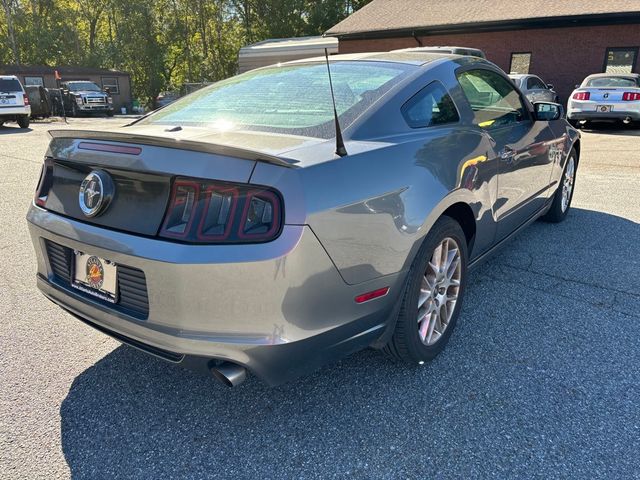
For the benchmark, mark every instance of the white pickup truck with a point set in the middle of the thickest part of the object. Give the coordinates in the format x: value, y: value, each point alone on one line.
x: 14, y: 103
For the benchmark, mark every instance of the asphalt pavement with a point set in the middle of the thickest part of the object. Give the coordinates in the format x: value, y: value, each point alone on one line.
x: 541, y: 378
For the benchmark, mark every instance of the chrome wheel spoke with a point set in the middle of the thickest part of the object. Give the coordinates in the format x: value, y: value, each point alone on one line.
x: 423, y: 326
x: 425, y: 292
x: 432, y: 323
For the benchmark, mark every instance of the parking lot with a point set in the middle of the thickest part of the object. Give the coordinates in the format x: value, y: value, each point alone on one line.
x: 541, y: 378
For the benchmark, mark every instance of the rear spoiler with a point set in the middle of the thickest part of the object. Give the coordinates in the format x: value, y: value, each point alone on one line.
x: 203, y: 147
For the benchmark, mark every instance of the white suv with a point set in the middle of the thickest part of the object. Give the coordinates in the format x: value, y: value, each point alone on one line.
x: 14, y: 103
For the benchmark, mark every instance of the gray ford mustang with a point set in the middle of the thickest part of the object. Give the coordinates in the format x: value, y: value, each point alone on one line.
x: 250, y: 227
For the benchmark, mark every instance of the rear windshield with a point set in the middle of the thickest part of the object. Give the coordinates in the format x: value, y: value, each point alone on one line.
x: 612, y: 82
x: 10, y: 85
x: 293, y: 99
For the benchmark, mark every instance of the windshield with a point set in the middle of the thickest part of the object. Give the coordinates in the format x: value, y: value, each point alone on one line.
x: 612, y: 82
x: 84, y: 86
x: 10, y: 85
x: 293, y: 99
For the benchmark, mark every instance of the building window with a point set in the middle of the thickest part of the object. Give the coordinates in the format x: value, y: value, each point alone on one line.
x: 620, y: 60
x: 112, y: 84
x: 38, y: 81
x: 520, y: 62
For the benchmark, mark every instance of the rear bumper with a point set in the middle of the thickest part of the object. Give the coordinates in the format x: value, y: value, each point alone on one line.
x: 13, y: 112
x: 279, y: 309
x: 619, y: 112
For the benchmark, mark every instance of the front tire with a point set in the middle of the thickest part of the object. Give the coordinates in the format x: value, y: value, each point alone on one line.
x: 433, y: 296
x: 23, y: 122
x: 564, y: 194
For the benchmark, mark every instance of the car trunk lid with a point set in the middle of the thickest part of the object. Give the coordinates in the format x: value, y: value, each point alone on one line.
x: 142, y: 164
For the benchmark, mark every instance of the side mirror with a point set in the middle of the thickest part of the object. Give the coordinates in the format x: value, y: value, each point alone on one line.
x: 107, y: 91
x: 550, y: 86
x: 547, y: 112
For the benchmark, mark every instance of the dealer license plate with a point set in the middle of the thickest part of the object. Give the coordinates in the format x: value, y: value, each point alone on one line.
x: 603, y: 108
x: 95, y: 276
x: 7, y: 100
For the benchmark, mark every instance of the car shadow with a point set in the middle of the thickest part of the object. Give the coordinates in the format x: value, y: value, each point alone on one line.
x: 613, y: 129
x: 8, y: 129
x: 500, y: 393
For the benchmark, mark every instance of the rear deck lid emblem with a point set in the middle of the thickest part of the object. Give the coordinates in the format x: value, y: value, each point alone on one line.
x: 96, y: 191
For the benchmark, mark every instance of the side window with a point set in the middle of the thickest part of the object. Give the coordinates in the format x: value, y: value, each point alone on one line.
x: 493, y: 99
x: 429, y: 107
x: 535, y: 83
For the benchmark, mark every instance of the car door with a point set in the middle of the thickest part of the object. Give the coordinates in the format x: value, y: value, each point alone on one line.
x: 520, y: 144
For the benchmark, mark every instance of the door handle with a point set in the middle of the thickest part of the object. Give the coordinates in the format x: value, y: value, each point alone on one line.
x: 507, y: 154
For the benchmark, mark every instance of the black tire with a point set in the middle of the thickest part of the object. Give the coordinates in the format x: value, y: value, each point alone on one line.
x: 110, y: 113
x: 23, y: 121
x: 405, y: 343
x: 555, y: 213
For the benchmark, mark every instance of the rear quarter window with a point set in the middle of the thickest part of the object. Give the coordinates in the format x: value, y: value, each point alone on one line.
x: 429, y: 107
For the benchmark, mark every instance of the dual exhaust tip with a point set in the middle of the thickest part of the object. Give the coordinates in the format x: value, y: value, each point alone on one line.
x: 229, y: 374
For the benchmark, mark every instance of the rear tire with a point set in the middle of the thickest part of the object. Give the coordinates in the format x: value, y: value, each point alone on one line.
x: 23, y: 122
x: 427, y: 318
x: 561, y: 202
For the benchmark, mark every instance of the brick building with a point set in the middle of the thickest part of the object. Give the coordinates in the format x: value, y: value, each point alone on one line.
x: 119, y: 83
x: 561, y: 41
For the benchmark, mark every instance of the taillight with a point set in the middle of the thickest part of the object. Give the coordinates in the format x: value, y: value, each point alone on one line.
x: 45, y: 183
x: 582, y: 96
x: 631, y: 96
x: 26, y: 99
x: 221, y: 212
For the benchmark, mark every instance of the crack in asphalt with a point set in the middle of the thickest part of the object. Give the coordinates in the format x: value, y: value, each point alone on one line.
x: 552, y: 289
x: 565, y: 279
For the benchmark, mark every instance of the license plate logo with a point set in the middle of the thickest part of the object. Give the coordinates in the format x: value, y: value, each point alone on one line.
x: 95, y: 272
x: 95, y: 276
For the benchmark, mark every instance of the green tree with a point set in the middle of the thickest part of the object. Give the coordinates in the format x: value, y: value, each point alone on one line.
x: 162, y: 43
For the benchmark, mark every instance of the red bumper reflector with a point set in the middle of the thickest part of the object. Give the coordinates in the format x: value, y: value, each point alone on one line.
x: 365, y: 297
x: 103, y: 147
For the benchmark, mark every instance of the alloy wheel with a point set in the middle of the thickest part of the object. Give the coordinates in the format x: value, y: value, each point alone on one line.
x: 567, y: 183
x: 439, y: 291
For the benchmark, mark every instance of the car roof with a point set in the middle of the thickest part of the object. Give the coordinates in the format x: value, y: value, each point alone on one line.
x: 8, y: 77
x: 409, y: 57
